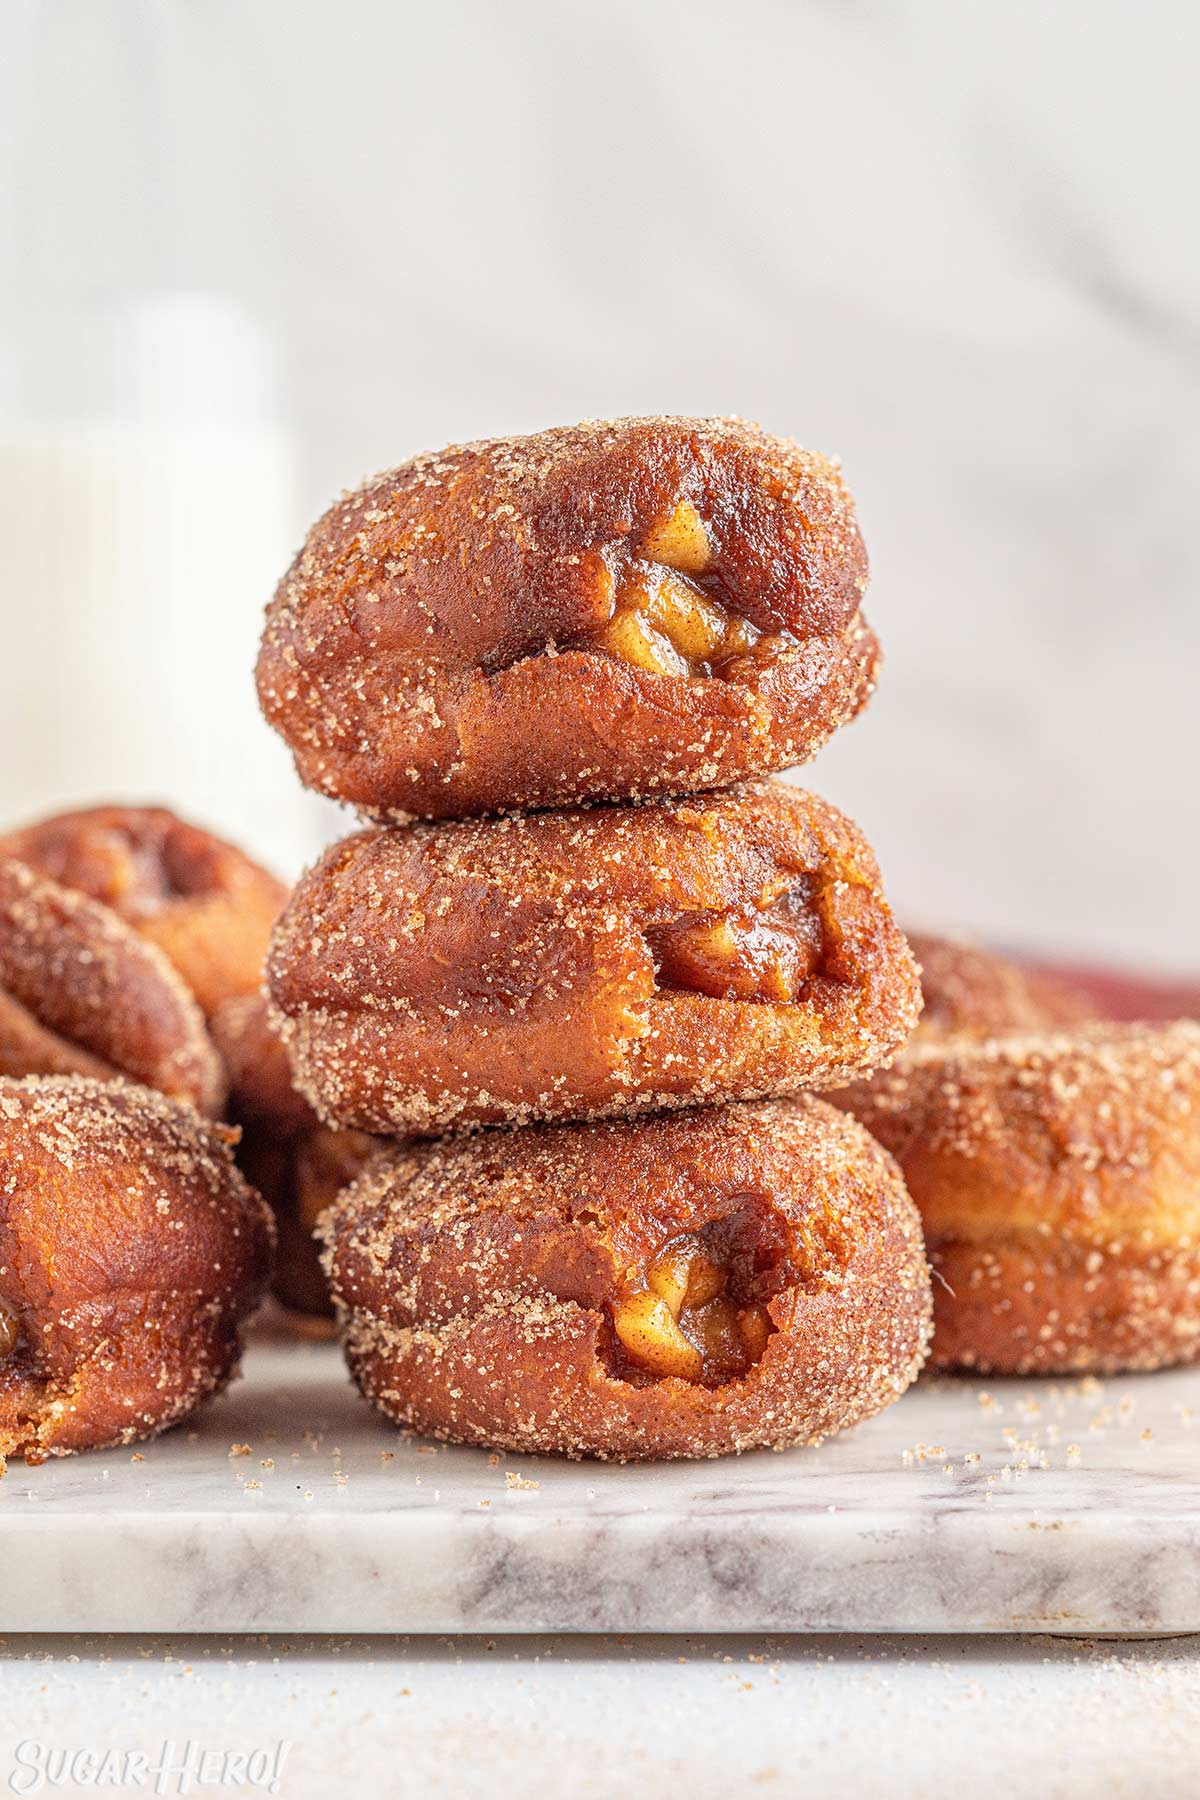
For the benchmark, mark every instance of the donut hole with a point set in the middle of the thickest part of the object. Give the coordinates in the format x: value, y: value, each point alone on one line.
x: 699, y: 1309
x: 766, y: 954
x: 671, y: 614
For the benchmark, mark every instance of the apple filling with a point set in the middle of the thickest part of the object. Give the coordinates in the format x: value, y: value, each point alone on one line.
x: 685, y: 1321
x: 764, y: 955
x: 9, y: 1331
x: 666, y: 614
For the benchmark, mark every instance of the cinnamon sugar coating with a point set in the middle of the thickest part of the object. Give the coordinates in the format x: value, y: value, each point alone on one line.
x: 81, y: 993
x: 1059, y: 1182
x: 477, y: 1280
x: 130, y: 1252
x: 206, y: 905
x: 589, y: 962
x: 610, y: 610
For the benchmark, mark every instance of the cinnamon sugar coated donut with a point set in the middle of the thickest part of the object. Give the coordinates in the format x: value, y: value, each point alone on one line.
x: 130, y: 1252
x: 262, y: 1094
x: 300, y: 1178
x: 205, y: 904
x: 589, y: 962
x: 323, y: 1163
x: 975, y: 993
x: 297, y: 1164
x: 81, y: 993
x: 604, y: 611
x: 1059, y: 1182
x: 687, y: 1285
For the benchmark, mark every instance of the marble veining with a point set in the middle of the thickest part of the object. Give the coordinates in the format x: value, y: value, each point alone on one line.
x: 288, y: 1506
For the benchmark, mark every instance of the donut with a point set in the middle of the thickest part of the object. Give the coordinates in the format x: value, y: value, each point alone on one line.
x: 588, y: 962
x: 300, y: 1178
x: 610, y: 610
x: 1058, y: 1177
x: 205, y: 904
x: 130, y: 1251
x: 679, y: 1286
x: 262, y: 1095
x: 321, y: 1164
x: 296, y: 1163
x: 81, y: 993
x: 975, y: 993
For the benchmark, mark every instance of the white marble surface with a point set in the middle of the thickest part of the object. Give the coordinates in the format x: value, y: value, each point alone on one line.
x: 1037, y: 1507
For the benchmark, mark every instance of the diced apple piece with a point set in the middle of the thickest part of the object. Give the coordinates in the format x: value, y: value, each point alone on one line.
x: 679, y: 540
x: 695, y: 624
x: 669, y: 1273
x: 715, y: 1328
x: 740, y: 639
x: 706, y: 1279
x: 632, y: 639
x: 754, y: 1328
x: 647, y: 1329
x: 684, y: 1275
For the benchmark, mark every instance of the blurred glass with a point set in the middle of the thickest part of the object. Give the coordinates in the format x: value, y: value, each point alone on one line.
x: 147, y: 510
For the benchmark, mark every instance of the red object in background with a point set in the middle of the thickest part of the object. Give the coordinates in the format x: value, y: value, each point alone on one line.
x: 1118, y: 995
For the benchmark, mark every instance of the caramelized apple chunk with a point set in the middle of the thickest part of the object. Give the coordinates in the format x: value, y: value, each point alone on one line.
x: 679, y: 540
x: 684, y: 1322
x: 765, y: 955
x: 9, y: 1331
x: 651, y: 1335
x: 664, y: 619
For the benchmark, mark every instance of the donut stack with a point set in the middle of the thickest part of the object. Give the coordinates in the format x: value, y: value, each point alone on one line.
x: 584, y: 965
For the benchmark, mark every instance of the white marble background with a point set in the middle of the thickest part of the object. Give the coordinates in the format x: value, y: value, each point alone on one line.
x: 956, y: 243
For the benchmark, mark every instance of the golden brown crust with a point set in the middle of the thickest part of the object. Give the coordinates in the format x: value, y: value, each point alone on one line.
x: 974, y: 993
x: 130, y: 1251
x: 203, y: 902
x: 477, y: 1277
x: 434, y: 650
x: 1059, y: 1181
x: 81, y: 993
x: 508, y: 969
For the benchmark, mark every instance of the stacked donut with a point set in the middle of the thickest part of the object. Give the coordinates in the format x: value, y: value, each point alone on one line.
x: 584, y: 967
x: 131, y: 1248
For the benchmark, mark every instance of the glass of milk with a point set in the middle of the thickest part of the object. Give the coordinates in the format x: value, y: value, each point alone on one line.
x: 146, y: 512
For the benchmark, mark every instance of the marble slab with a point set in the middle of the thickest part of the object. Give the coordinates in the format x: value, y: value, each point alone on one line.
x: 288, y: 1506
